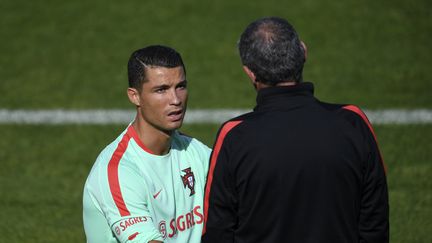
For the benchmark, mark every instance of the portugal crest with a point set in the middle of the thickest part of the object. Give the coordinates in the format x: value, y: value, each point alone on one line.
x: 189, y: 180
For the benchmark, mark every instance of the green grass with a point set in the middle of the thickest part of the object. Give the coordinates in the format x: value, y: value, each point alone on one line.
x: 407, y: 152
x: 72, y: 54
x: 44, y: 169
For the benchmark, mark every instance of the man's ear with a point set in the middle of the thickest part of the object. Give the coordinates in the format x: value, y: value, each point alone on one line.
x: 304, y: 49
x: 250, y: 74
x: 133, y: 96
x: 252, y: 77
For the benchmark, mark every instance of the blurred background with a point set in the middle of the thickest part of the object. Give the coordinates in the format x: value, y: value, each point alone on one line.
x: 72, y: 55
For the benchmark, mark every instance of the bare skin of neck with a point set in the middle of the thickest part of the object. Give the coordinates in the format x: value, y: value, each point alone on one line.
x: 259, y: 85
x: 158, y: 141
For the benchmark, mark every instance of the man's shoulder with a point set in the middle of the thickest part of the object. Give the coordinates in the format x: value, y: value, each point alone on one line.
x: 234, y: 128
x: 113, y: 161
x: 112, y: 154
x: 184, y: 142
x: 349, y: 114
x: 109, y: 149
x: 234, y: 122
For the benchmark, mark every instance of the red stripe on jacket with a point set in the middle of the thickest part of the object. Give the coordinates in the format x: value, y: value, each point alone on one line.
x: 113, y: 178
x: 113, y: 165
x: 224, y: 131
x: 359, y: 112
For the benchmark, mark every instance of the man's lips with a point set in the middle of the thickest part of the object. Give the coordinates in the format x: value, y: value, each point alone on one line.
x: 176, y: 115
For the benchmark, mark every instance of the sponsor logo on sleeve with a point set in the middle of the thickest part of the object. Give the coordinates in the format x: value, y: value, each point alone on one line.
x: 126, y: 223
x: 189, y: 180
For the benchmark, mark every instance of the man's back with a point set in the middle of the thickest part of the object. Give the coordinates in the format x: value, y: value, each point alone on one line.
x: 296, y: 170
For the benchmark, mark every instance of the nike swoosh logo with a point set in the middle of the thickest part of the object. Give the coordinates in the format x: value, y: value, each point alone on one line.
x: 157, y: 194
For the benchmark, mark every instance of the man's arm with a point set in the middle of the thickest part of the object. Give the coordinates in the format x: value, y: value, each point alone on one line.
x: 374, y: 211
x: 130, y: 218
x: 220, y: 201
x: 120, y: 195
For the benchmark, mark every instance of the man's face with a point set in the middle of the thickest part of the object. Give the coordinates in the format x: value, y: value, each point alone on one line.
x: 163, y: 98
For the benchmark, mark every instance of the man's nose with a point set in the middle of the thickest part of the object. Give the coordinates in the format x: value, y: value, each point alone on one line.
x: 175, y: 98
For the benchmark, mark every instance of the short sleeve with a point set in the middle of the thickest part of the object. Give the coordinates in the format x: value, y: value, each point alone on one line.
x: 123, y: 199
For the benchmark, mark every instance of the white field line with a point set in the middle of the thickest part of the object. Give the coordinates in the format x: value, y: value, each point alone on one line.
x: 99, y: 116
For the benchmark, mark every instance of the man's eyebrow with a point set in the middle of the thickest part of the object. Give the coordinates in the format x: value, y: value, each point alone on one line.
x: 164, y: 86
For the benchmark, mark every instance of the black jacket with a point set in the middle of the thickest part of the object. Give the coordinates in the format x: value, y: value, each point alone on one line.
x: 296, y: 170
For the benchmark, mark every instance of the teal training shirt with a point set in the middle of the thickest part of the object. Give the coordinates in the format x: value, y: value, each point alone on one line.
x: 132, y: 195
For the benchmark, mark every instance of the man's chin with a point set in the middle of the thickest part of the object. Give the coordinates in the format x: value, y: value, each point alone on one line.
x: 177, y: 124
x: 173, y: 125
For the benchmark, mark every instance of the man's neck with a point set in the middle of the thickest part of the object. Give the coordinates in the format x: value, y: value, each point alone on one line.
x: 157, y: 141
x: 260, y: 85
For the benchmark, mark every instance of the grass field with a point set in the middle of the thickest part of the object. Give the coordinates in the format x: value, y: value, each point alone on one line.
x: 72, y: 54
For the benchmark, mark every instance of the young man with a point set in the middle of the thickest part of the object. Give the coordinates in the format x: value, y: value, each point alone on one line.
x: 147, y: 185
x: 295, y: 169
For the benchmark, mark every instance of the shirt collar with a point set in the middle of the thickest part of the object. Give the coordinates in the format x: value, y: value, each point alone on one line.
x: 274, y: 96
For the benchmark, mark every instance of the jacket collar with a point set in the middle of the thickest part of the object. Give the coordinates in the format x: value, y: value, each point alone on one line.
x: 284, y: 96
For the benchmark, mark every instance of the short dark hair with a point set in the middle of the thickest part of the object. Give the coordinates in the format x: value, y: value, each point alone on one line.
x: 271, y: 48
x: 151, y: 56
